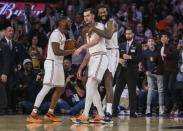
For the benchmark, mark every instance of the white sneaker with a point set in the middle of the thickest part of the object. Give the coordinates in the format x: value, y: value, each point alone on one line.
x: 161, y: 110
x: 148, y: 110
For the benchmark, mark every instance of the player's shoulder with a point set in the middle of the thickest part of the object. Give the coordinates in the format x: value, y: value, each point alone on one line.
x: 56, y: 31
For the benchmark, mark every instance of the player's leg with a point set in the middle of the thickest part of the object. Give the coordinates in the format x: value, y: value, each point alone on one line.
x: 59, y: 82
x: 56, y: 95
x: 33, y: 116
x: 113, y: 56
x: 96, y: 98
x: 47, y: 85
x: 91, y: 87
x: 108, y: 79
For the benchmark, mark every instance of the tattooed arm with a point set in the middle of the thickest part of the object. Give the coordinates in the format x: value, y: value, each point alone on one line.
x: 58, y: 52
x: 107, y: 32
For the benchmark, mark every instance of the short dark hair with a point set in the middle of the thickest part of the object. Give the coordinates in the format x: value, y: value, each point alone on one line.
x: 8, y: 27
x: 151, y: 37
x: 130, y: 28
x: 62, y: 19
x: 164, y: 33
x: 103, y: 6
x: 91, y: 10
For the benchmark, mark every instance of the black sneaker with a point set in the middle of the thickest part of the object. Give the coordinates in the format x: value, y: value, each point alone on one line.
x: 149, y: 115
x: 107, y: 119
x: 133, y: 115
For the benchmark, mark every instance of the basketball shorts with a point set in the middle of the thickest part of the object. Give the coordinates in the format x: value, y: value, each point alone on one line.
x: 54, y: 73
x: 97, y: 66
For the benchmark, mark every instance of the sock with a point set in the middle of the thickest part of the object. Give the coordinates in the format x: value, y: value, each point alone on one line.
x: 109, y: 108
x: 90, y: 90
x: 35, y: 110
x: 97, y: 102
x: 51, y: 111
x: 44, y: 91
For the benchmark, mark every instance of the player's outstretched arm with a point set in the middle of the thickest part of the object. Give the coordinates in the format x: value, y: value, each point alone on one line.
x: 88, y: 45
x: 83, y: 65
x: 58, y: 52
x: 107, y: 32
x: 92, y: 43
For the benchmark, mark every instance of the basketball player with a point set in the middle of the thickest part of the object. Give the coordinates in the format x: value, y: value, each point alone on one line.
x: 54, y: 73
x: 110, y: 33
x: 111, y: 40
x: 97, y: 66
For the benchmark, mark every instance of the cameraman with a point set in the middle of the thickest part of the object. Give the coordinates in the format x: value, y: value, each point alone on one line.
x: 72, y: 101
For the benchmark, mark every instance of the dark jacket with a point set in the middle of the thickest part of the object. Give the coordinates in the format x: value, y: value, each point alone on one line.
x: 14, y: 55
x: 152, y: 61
x: 135, y: 51
x: 171, y: 58
x: 4, y: 59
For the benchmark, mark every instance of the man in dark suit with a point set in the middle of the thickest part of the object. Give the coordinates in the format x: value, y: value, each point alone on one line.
x: 130, y: 56
x: 14, y: 59
x: 4, y: 71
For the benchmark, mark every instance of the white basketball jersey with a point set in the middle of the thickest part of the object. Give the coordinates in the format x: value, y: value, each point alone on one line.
x: 58, y: 37
x: 113, y: 42
x: 101, y: 46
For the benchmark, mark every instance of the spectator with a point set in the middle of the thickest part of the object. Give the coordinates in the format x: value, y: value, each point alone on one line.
x: 154, y: 71
x: 3, y: 22
x: 77, y: 26
x: 35, y: 53
x: 38, y: 29
x: 27, y: 14
x: 48, y: 19
x: 72, y: 101
x: 19, y: 31
x: 68, y: 70
x: 23, y: 80
x: 136, y: 14
x: 140, y: 37
x: 169, y: 54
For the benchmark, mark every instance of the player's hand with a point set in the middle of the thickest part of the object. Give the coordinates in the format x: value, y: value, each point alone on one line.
x: 77, y: 51
x: 79, y: 74
x: 126, y: 57
x: 122, y: 61
x: 4, y: 78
